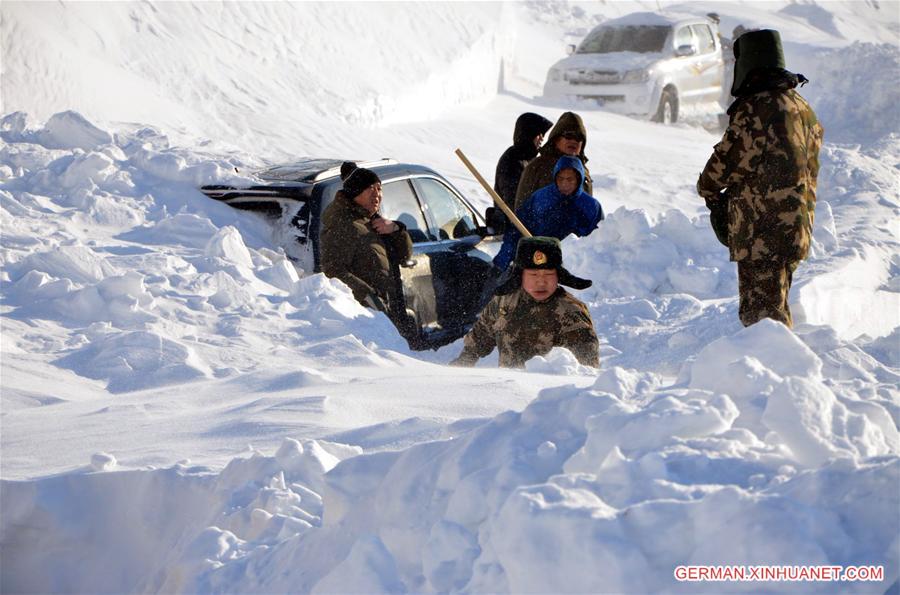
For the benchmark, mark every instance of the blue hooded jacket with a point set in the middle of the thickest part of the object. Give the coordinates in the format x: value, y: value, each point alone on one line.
x: 548, y: 212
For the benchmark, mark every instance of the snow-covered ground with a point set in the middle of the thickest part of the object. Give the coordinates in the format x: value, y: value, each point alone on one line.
x: 184, y: 411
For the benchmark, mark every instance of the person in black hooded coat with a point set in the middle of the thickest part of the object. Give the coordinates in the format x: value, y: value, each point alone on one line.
x: 527, y: 138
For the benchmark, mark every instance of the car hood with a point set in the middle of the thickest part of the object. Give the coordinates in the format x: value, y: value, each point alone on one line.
x: 619, y: 61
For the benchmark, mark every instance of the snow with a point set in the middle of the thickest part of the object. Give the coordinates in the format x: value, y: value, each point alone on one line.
x: 185, y: 410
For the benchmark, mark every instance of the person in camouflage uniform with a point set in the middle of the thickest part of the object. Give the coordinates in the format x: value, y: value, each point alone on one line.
x: 760, y: 182
x: 531, y: 313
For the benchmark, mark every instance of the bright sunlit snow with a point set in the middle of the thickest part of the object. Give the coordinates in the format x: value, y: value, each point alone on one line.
x: 185, y: 410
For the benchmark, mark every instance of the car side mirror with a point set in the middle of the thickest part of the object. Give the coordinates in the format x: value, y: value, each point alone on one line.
x: 570, y: 49
x: 685, y: 50
x: 495, y: 220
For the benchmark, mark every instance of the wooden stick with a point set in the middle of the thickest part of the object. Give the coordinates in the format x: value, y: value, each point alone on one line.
x: 497, y: 200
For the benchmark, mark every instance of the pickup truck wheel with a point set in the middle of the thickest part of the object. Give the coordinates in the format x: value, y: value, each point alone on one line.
x: 667, y: 112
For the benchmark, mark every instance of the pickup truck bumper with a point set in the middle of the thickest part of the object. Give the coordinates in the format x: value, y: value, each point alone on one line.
x: 639, y: 99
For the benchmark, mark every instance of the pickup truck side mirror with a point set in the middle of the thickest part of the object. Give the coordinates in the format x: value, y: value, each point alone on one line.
x: 570, y: 49
x: 685, y: 50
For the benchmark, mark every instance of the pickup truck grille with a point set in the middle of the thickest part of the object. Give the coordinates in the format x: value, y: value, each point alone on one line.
x: 604, y: 98
x: 593, y: 77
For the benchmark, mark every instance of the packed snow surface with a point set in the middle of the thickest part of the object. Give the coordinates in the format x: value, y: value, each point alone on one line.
x: 184, y: 409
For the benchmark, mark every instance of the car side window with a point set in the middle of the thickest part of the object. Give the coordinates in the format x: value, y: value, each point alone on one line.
x: 451, y: 216
x: 704, y: 38
x: 399, y: 204
x: 684, y: 37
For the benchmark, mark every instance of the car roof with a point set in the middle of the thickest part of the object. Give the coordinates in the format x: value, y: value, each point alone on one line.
x: 312, y: 170
x: 653, y: 19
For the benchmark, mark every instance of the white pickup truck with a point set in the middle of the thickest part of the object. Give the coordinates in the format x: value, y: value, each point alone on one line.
x: 644, y: 64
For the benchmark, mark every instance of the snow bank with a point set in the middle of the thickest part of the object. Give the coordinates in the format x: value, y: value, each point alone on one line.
x: 333, y: 64
x: 854, y: 92
x: 152, y: 530
x: 138, y: 259
x: 626, y: 476
x: 630, y: 255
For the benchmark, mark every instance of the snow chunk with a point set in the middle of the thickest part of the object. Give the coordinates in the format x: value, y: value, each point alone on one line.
x: 769, y: 342
x: 87, y: 170
x: 185, y: 229
x: 628, y: 428
x: 77, y: 263
x: 228, y: 244
x: 559, y: 361
x: 103, y: 462
x: 306, y: 458
x: 135, y: 360
x: 817, y: 427
x: 71, y: 130
x: 625, y: 384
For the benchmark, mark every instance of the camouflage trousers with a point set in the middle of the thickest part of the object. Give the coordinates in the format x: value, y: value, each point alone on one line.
x: 763, y: 288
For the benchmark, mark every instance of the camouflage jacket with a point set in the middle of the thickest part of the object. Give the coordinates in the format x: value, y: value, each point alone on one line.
x: 522, y: 328
x: 767, y: 164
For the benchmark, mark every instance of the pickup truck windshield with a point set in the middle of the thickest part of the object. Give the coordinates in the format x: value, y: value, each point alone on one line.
x: 635, y: 38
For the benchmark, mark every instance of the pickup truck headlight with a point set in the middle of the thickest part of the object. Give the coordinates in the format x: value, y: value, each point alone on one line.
x: 640, y: 75
x: 555, y: 75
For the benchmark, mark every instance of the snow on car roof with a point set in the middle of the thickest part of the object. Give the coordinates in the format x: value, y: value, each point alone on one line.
x: 651, y: 19
x: 313, y: 170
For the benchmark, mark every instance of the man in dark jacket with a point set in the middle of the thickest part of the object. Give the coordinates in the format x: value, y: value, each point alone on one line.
x: 361, y: 248
x: 556, y: 210
x: 532, y: 314
x: 568, y: 137
x: 527, y: 138
x: 760, y: 182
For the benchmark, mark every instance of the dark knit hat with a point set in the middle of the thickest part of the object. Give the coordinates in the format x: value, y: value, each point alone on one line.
x: 756, y: 49
x: 358, y: 180
x: 347, y: 168
x: 541, y: 252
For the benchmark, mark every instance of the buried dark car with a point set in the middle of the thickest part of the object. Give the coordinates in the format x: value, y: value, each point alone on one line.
x: 449, y: 276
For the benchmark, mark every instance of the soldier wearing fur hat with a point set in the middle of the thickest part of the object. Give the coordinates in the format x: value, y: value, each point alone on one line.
x: 760, y: 182
x: 531, y: 313
x: 360, y: 247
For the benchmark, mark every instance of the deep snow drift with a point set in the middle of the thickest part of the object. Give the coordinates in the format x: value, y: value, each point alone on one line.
x: 183, y: 410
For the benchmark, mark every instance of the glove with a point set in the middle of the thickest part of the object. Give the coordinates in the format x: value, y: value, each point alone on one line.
x: 374, y: 302
x: 718, y: 218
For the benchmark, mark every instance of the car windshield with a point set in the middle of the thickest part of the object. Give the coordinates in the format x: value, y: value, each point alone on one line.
x: 635, y: 38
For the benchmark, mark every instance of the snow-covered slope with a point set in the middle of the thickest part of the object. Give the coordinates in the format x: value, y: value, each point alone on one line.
x: 185, y: 411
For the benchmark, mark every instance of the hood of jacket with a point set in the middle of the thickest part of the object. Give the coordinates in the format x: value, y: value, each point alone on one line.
x: 568, y: 122
x: 528, y: 126
x: 569, y: 162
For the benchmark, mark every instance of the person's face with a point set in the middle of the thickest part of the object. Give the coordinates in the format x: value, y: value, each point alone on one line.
x: 540, y: 283
x: 570, y: 143
x: 567, y: 181
x: 538, y: 140
x: 370, y: 198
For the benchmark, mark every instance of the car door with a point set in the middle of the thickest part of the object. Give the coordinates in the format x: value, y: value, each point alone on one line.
x: 710, y: 64
x: 399, y: 203
x: 688, y: 76
x: 460, y: 258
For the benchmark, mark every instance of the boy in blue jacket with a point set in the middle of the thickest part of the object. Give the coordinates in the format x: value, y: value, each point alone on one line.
x: 555, y: 210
